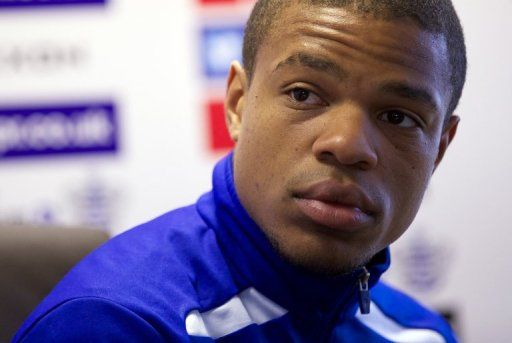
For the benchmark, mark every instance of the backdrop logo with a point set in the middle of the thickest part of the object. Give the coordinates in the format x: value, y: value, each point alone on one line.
x: 37, y: 3
x: 221, y: 46
x: 95, y: 203
x: 41, y: 57
x: 424, y: 263
x: 219, y: 138
x: 56, y: 130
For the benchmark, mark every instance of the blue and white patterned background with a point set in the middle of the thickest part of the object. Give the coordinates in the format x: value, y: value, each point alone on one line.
x: 106, y: 121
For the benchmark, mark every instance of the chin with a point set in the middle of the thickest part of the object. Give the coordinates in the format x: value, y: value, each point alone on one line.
x: 321, y: 257
x: 315, y: 266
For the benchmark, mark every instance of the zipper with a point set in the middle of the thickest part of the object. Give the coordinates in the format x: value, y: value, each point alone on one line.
x: 364, y: 292
x: 362, y: 289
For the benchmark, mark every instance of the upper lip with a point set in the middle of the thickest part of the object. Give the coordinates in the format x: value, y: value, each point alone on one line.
x: 332, y: 191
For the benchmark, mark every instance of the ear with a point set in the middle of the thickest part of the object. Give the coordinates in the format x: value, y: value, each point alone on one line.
x: 449, y: 131
x: 235, y: 99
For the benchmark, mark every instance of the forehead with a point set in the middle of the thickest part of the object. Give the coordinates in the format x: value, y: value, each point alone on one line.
x: 362, y: 46
x: 295, y: 19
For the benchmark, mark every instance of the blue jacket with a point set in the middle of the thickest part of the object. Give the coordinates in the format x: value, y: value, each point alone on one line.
x: 207, y: 273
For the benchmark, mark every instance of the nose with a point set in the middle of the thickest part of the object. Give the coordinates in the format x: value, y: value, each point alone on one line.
x: 346, y: 139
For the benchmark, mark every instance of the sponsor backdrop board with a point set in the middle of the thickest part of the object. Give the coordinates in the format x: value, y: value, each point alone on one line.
x: 111, y: 113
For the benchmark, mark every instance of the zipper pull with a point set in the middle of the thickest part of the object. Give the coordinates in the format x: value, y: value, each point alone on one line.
x: 364, y: 292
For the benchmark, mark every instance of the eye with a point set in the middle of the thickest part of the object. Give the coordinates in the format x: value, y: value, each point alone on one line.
x: 300, y: 95
x: 399, y: 118
x: 304, y: 96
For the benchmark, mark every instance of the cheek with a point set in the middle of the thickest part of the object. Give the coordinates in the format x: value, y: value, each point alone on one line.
x: 268, y: 132
x: 414, y: 158
x: 260, y: 150
x: 408, y: 174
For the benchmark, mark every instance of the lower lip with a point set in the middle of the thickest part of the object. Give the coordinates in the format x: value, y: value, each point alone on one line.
x: 334, y: 216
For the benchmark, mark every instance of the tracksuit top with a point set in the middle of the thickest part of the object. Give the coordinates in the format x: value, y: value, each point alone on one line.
x: 207, y: 273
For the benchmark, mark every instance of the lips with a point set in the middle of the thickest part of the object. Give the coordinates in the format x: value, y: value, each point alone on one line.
x: 340, y: 207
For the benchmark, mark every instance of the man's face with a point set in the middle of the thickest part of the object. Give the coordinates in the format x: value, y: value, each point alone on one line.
x: 338, y: 133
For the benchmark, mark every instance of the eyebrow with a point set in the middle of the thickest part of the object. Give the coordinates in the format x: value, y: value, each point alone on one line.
x: 410, y: 92
x: 313, y: 62
x: 400, y: 89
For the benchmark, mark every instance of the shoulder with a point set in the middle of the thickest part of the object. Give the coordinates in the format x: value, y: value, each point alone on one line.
x: 138, y: 262
x: 91, y: 319
x: 398, y: 317
x: 147, y: 272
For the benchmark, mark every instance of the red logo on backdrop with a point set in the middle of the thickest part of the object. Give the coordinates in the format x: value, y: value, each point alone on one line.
x: 219, y: 138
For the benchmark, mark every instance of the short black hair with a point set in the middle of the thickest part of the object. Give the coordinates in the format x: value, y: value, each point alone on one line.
x: 436, y: 16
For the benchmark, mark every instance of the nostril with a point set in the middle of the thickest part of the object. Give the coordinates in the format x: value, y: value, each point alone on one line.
x: 356, y: 153
x: 364, y: 165
x: 326, y: 156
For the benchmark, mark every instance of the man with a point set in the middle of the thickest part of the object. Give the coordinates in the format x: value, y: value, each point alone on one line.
x: 340, y: 114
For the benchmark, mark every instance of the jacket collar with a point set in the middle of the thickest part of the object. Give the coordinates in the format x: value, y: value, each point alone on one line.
x: 255, y: 263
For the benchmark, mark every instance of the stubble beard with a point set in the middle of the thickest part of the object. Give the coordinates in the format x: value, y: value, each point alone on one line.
x: 325, y: 265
